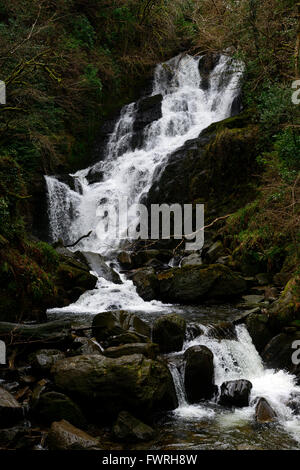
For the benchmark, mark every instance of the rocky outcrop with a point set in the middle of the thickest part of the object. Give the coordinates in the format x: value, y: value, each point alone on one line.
x: 215, y: 169
x: 104, y: 387
x: 192, y: 284
x: 117, y: 323
x: 65, y: 436
x: 278, y: 352
x: 235, y: 393
x: 259, y: 330
x: 146, y: 283
x: 264, y: 413
x: 169, y: 332
x: 199, y: 374
x: 130, y: 429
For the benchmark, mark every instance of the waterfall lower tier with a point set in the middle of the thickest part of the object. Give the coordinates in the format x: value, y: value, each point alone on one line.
x: 236, y: 359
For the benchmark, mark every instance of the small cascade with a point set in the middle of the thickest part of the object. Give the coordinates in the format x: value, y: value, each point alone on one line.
x: 236, y: 359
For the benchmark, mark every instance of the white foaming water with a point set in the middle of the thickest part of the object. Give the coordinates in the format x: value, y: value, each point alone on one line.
x: 186, y: 111
x: 238, y: 359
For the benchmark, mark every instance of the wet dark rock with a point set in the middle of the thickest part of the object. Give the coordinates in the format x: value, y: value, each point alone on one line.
x: 207, y: 63
x: 119, y: 322
x: 103, y: 386
x: 149, y: 350
x: 199, y: 374
x: 125, y: 259
x: 97, y: 264
x: 83, y: 345
x: 43, y: 359
x: 146, y: 282
x: 264, y: 413
x: 66, y: 179
x: 192, y: 284
x: 223, y: 330
x: 148, y: 110
x: 130, y: 429
x: 215, y: 169
x: 214, y: 252
x: 278, y: 352
x: 237, y: 106
x: 54, y: 406
x: 10, y: 410
x: 94, y: 176
x: 259, y: 330
x: 65, y: 436
x: 235, y: 393
x: 169, y: 332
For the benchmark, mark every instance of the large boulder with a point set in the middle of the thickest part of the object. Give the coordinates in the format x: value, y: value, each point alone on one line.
x: 278, y: 352
x: 130, y: 429
x: 169, y: 332
x: 216, y: 169
x: 259, y: 330
x: 192, y: 284
x: 235, y: 393
x: 146, y: 283
x: 199, y: 374
x: 105, y: 386
x: 10, y: 410
x: 119, y: 322
x: 287, y: 308
x: 54, y: 406
x: 65, y: 436
x: 264, y: 413
x: 148, y: 110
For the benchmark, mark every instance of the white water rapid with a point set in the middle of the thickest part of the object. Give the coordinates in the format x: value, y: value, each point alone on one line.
x: 238, y: 359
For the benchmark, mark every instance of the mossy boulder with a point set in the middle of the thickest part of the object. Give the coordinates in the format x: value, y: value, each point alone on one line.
x: 199, y: 374
x: 216, y: 169
x: 130, y: 429
x: 169, y: 332
x: 259, y: 330
x: 103, y: 386
x: 287, y: 308
x: 117, y: 323
x: 146, y: 282
x: 191, y: 284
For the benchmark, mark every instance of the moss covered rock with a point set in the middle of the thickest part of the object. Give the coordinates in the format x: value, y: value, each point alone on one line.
x: 169, y: 332
x: 105, y: 386
x: 192, y: 284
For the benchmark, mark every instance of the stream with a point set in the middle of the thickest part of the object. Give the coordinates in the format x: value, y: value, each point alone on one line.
x: 187, y: 109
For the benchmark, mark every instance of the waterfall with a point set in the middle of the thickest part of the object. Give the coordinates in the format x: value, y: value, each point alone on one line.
x: 186, y: 110
x: 128, y: 171
x: 238, y: 359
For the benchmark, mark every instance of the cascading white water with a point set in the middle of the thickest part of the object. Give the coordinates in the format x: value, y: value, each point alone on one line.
x: 186, y: 110
x: 238, y: 359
